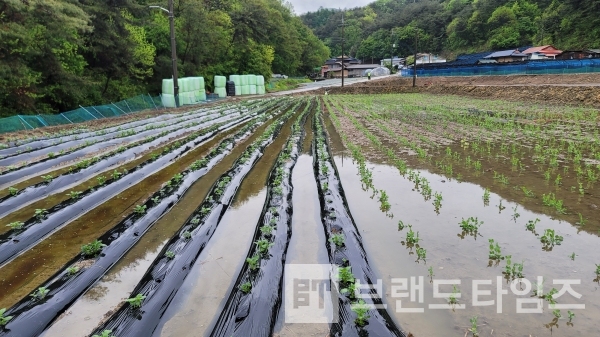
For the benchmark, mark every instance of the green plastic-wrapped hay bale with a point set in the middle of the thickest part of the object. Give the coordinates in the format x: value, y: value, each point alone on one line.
x: 167, y: 86
x: 252, y: 79
x: 245, y: 90
x: 252, y: 89
x: 260, y: 80
x: 236, y: 79
x: 222, y: 92
x: 168, y: 100
x: 238, y: 90
x: 200, y: 96
x: 220, y: 81
x: 260, y: 89
x: 197, y: 83
x: 244, y: 80
x: 184, y: 84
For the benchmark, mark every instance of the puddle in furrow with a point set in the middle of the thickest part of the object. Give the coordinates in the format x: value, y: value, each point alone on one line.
x: 28, y: 271
x: 308, y: 135
x: 198, y: 301
x: 466, y: 259
x: 307, y: 244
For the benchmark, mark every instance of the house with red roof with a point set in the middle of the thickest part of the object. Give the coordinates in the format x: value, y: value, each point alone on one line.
x: 542, y: 52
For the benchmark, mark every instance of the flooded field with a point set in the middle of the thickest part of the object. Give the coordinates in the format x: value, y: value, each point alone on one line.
x: 385, y: 215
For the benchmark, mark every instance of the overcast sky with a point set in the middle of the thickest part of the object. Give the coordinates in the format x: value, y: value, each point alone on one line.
x: 303, y: 6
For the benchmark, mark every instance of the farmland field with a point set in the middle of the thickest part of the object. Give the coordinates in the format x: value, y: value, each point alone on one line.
x: 468, y: 217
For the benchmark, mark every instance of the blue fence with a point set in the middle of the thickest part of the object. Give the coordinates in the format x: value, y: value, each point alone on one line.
x: 521, y: 68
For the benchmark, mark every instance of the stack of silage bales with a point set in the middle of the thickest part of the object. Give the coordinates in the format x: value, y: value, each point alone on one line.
x: 248, y: 84
x: 252, y: 84
x: 220, y: 86
x: 238, y: 84
x: 260, y: 85
x: 191, y: 91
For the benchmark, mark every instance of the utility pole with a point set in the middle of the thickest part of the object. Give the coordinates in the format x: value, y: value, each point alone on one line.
x: 173, y: 49
x: 415, y: 64
x: 342, y: 49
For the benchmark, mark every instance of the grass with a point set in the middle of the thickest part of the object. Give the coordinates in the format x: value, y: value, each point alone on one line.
x: 276, y: 85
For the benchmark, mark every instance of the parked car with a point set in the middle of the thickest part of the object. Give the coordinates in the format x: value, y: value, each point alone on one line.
x: 280, y: 76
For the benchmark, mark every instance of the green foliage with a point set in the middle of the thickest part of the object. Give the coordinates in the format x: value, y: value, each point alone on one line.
x: 105, y: 333
x: 246, y: 287
x: 4, y: 319
x: 136, y: 301
x: 40, y: 293
x: 92, y: 249
x: 360, y: 309
x: 337, y: 239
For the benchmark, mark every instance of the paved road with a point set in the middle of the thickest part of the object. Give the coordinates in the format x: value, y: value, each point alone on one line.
x: 336, y: 82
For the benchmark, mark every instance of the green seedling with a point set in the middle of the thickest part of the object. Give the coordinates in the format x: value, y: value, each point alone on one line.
x: 495, y: 252
x: 550, y: 238
x: 4, y: 319
x: 140, y: 209
x: 345, y: 275
x: 101, y: 180
x: 116, y: 175
x: 421, y: 254
x: 205, y: 210
x: 267, y: 230
x: 51, y: 155
x: 473, y: 328
x: 501, y: 207
x: 156, y: 200
x: 453, y: 299
x: 170, y: 255
x: 582, y: 221
x: 437, y: 201
x: 47, y: 178
x: 412, y: 238
x: 187, y: 235
x: 572, y: 256
x: 531, y: 225
x: 361, y: 310
x: 92, y: 249
x: 598, y: 269
x: 516, y: 214
x: 263, y: 245
x: 72, y: 270
x: 384, y: 201
x: 253, y: 262
x: 528, y: 192
x: 40, y: 293
x: 569, y: 313
x: 16, y: 225
x: 74, y: 195
x: 177, y: 178
x: 40, y: 213
x: 337, y: 239
x: 136, y: 301
x: 513, y: 270
x: 556, y: 313
x: 430, y: 271
x: 105, y: 333
x: 581, y: 189
x: 486, y: 197
x: 246, y: 287
x: 470, y: 225
x: 400, y: 225
x: 13, y: 191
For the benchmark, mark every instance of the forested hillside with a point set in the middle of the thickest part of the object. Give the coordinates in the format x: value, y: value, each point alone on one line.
x: 450, y: 27
x: 58, y: 54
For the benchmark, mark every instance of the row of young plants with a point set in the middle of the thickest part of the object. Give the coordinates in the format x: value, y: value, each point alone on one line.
x: 43, y: 222
x: 29, y: 155
x: 359, y: 313
x: 74, y: 134
x: 68, y: 284
x: 90, y: 166
x: 421, y: 183
x: 144, y: 311
x: 52, y: 159
x: 253, y: 303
